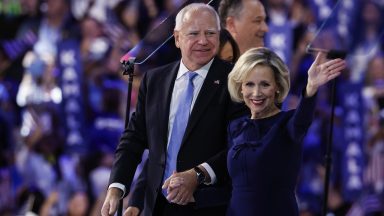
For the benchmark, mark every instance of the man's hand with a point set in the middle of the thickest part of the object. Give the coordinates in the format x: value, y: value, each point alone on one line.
x: 181, y: 186
x: 111, y: 202
x: 132, y: 211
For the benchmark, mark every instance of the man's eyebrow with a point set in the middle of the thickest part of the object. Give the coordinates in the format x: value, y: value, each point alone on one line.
x: 199, y: 30
x: 260, y: 17
x: 191, y: 30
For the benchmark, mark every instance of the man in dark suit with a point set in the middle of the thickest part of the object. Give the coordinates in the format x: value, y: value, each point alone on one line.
x: 200, y: 161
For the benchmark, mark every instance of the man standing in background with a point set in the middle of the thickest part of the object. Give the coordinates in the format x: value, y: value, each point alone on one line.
x: 246, y: 21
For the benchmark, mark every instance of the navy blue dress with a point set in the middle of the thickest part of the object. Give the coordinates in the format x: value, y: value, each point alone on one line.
x: 264, y: 159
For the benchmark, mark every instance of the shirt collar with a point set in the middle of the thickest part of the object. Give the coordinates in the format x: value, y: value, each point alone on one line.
x: 203, y: 71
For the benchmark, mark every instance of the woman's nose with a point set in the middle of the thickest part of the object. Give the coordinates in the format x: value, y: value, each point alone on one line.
x: 256, y: 91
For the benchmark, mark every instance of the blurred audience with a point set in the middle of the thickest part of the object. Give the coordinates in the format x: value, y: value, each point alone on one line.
x: 38, y: 175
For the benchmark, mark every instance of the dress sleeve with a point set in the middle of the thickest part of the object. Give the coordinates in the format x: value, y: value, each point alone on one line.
x: 302, y: 117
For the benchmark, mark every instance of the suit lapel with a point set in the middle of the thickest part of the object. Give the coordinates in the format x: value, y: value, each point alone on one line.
x: 166, y: 85
x: 213, y: 81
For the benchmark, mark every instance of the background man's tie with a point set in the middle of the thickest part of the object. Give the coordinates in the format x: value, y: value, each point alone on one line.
x: 179, y: 124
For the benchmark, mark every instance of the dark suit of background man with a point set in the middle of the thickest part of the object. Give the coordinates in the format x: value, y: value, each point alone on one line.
x: 204, y: 143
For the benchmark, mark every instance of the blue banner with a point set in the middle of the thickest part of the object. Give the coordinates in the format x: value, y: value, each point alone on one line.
x: 347, y: 24
x: 353, y: 135
x: 279, y: 38
x: 70, y: 67
x: 322, y: 10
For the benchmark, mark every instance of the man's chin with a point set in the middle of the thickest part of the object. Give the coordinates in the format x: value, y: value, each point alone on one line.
x: 203, y: 59
x: 259, y: 44
x: 203, y: 54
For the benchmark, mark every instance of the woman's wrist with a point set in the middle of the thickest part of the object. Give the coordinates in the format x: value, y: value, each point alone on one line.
x: 310, y: 90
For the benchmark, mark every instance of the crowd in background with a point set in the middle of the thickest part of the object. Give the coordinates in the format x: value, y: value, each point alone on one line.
x: 63, y: 97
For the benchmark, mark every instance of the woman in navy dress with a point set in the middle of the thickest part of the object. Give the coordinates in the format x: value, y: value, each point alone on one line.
x: 264, y: 154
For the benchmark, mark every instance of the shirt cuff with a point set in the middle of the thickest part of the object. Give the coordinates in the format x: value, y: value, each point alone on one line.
x: 119, y: 186
x: 210, y: 172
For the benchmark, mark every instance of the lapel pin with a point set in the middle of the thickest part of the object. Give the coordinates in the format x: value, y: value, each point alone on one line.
x: 217, y: 82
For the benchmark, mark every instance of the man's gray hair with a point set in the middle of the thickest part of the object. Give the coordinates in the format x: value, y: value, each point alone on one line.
x: 181, y: 16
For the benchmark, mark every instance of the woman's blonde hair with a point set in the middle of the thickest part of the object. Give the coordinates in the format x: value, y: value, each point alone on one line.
x: 248, y: 61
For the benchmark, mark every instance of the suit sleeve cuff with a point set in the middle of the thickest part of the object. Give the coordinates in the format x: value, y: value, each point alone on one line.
x: 119, y: 186
x: 211, y: 173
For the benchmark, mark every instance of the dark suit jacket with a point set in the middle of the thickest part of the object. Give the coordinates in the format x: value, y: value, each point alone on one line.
x: 205, y: 137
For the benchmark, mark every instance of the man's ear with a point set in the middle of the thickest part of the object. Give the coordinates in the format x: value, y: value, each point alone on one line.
x: 176, y: 35
x: 230, y: 25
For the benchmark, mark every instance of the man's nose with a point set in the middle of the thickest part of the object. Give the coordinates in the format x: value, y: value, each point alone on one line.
x: 203, y: 39
x: 264, y: 27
